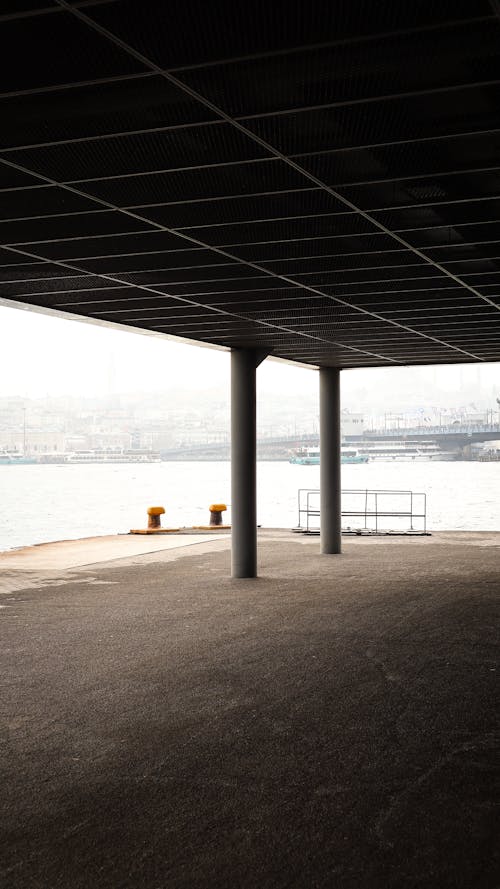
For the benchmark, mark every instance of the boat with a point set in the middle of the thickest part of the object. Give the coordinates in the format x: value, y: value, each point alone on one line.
x: 383, y: 452
x: 113, y: 457
x: 310, y: 456
x: 405, y: 452
x: 7, y: 459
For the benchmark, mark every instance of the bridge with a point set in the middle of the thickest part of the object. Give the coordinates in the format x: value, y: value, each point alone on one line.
x: 454, y: 437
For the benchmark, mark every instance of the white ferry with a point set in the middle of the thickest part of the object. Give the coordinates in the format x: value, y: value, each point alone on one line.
x: 405, y: 452
x: 119, y: 456
x: 310, y: 456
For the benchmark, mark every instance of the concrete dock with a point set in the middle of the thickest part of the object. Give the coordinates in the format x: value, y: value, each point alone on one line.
x: 329, y: 724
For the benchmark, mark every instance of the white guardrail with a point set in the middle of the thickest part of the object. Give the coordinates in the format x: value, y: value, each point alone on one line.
x: 370, y: 511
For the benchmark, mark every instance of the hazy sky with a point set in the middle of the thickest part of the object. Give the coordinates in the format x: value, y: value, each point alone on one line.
x: 46, y: 355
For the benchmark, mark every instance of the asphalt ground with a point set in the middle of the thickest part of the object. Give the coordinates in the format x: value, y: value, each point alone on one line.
x: 330, y: 724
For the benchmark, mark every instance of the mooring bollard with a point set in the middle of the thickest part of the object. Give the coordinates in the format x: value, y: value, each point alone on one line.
x: 154, y: 523
x: 154, y: 516
x: 216, y: 511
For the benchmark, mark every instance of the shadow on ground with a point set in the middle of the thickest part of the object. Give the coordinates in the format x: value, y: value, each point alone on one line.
x: 327, y: 725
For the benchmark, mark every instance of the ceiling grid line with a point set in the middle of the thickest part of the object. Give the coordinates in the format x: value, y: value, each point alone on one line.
x: 199, y: 243
x: 218, y: 111
x: 344, y: 228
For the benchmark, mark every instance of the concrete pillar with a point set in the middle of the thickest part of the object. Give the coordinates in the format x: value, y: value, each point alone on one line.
x: 330, y: 459
x: 244, y: 462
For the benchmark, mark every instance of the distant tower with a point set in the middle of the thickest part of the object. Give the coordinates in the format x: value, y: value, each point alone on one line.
x: 111, y: 374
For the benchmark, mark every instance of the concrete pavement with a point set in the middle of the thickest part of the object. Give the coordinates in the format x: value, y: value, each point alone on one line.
x: 330, y: 724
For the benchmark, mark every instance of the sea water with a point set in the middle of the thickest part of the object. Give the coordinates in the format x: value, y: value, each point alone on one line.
x: 42, y: 503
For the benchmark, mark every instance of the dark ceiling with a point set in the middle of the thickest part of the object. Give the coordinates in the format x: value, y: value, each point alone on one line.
x: 320, y: 181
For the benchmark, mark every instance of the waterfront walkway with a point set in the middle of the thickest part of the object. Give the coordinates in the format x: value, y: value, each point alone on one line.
x: 330, y: 724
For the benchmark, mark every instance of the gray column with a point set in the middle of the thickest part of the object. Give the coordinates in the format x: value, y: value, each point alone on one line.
x: 243, y: 463
x: 330, y: 457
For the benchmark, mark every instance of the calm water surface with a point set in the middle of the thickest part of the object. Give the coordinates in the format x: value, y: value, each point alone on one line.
x: 43, y: 503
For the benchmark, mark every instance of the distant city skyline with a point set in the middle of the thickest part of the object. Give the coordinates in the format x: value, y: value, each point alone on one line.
x: 43, y: 354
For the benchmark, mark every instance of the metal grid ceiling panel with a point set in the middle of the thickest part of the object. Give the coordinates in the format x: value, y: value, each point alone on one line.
x: 321, y: 182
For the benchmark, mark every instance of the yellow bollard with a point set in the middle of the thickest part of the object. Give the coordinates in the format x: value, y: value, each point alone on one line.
x: 216, y: 510
x: 154, y: 516
x: 154, y: 523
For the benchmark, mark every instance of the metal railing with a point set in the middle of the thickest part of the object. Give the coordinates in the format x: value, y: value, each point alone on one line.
x: 377, y: 511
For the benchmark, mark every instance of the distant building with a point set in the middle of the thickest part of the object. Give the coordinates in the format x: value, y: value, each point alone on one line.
x: 135, y: 439
x: 39, y: 442
x: 352, y: 424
